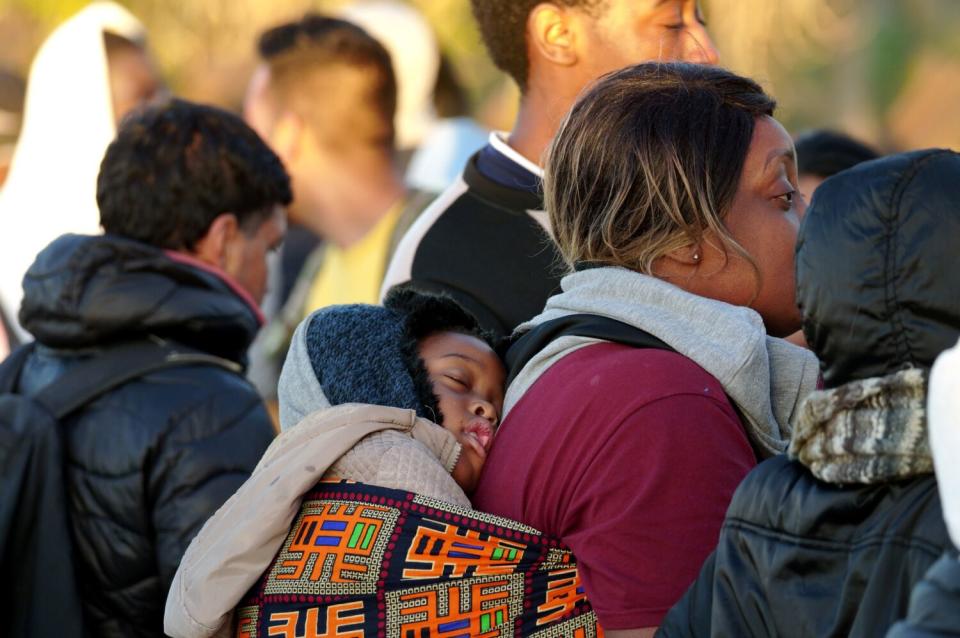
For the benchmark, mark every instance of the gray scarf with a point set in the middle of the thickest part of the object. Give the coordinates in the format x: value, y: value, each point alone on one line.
x: 867, y: 431
x: 765, y: 377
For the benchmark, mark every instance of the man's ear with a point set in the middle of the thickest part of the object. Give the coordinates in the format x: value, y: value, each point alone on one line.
x: 213, y: 246
x: 551, y: 30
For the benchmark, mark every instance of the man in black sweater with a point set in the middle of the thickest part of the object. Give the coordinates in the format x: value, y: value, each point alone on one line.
x: 486, y: 240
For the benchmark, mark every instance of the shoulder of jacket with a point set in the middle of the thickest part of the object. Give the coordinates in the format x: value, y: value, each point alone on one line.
x: 766, y: 487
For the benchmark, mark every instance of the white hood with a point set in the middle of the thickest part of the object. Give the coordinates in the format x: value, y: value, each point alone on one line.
x: 68, y: 122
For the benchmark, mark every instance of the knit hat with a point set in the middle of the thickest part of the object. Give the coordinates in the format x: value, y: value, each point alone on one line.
x: 368, y: 354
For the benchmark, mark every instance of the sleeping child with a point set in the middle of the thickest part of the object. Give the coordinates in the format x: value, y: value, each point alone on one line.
x: 406, y: 396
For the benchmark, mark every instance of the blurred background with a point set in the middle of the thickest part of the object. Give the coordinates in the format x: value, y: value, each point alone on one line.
x: 887, y: 71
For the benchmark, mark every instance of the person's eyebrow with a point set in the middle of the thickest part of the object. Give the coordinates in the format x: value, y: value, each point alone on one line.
x: 777, y: 153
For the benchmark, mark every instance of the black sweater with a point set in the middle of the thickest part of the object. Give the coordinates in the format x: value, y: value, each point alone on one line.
x: 480, y: 244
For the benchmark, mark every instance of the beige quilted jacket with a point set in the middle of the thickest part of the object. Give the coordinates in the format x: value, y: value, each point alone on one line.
x: 388, y: 447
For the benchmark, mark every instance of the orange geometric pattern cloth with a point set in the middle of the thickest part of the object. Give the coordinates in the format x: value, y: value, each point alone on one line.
x: 363, y: 561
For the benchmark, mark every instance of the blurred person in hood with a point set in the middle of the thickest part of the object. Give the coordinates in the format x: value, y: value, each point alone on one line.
x: 89, y: 73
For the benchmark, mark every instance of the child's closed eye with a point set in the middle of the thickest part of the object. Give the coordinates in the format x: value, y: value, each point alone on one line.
x: 457, y: 381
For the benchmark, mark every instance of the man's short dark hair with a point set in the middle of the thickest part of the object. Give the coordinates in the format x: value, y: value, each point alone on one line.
x: 308, y: 59
x: 825, y: 153
x: 503, y: 27
x: 176, y: 166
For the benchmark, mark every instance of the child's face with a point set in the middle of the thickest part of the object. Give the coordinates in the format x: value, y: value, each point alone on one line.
x: 468, y: 379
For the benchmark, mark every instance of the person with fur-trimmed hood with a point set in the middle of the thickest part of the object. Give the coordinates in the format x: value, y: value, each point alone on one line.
x: 830, y: 539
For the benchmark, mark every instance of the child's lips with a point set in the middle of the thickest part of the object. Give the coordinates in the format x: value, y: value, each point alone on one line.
x: 479, y: 433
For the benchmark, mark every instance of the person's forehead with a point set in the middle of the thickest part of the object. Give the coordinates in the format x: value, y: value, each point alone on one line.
x: 458, y: 345
x: 770, y: 139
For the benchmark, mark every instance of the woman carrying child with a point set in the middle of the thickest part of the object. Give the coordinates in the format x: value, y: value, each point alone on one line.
x: 672, y: 194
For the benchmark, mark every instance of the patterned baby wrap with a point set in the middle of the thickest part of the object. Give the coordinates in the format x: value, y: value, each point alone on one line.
x: 366, y: 561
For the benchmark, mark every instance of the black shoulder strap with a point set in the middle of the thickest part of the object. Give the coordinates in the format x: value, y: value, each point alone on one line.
x: 529, y: 344
x: 116, y: 366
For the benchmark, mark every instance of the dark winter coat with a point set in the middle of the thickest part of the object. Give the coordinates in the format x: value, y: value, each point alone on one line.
x: 935, y: 603
x: 800, y: 556
x: 147, y: 463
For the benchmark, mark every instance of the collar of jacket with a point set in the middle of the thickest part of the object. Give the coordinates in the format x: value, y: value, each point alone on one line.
x: 90, y: 291
x: 866, y: 431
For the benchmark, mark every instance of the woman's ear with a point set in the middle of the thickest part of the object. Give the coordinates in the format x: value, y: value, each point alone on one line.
x: 551, y: 30
x: 691, y: 255
x: 680, y: 263
x: 213, y: 247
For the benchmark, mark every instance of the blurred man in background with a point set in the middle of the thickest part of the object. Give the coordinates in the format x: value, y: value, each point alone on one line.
x: 89, y: 73
x: 822, y: 153
x: 434, y: 135
x: 324, y: 98
x: 191, y: 201
x: 485, y: 240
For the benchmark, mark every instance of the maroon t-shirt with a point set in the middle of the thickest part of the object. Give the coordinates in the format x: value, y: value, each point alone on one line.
x: 629, y: 456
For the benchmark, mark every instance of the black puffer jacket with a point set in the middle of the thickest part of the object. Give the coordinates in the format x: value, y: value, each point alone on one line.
x: 801, y: 557
x: 149, y: 462
x: 798, y: 557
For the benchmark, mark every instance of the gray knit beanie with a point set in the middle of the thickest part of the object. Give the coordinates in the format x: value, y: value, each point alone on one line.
x: 368, y: 354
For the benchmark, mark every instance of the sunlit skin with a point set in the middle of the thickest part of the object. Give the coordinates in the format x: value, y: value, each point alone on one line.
x: 134, y: 80
x: 763, y: 218
x: 245, y: 253
x: 468, y: 379
x: 569, y: 48
x: 340, y: 189
x: 629, y: 32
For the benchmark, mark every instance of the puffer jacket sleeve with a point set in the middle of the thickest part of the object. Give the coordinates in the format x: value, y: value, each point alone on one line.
x: 210, y: 449
x: 690, y: 617
x: 934, y: 603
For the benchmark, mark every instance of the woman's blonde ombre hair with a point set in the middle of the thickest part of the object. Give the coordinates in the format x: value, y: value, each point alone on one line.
x: 648, y: 160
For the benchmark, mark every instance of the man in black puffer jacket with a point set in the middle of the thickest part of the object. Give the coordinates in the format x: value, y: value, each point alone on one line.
x: 830, y: 540
x: 191, y: 201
